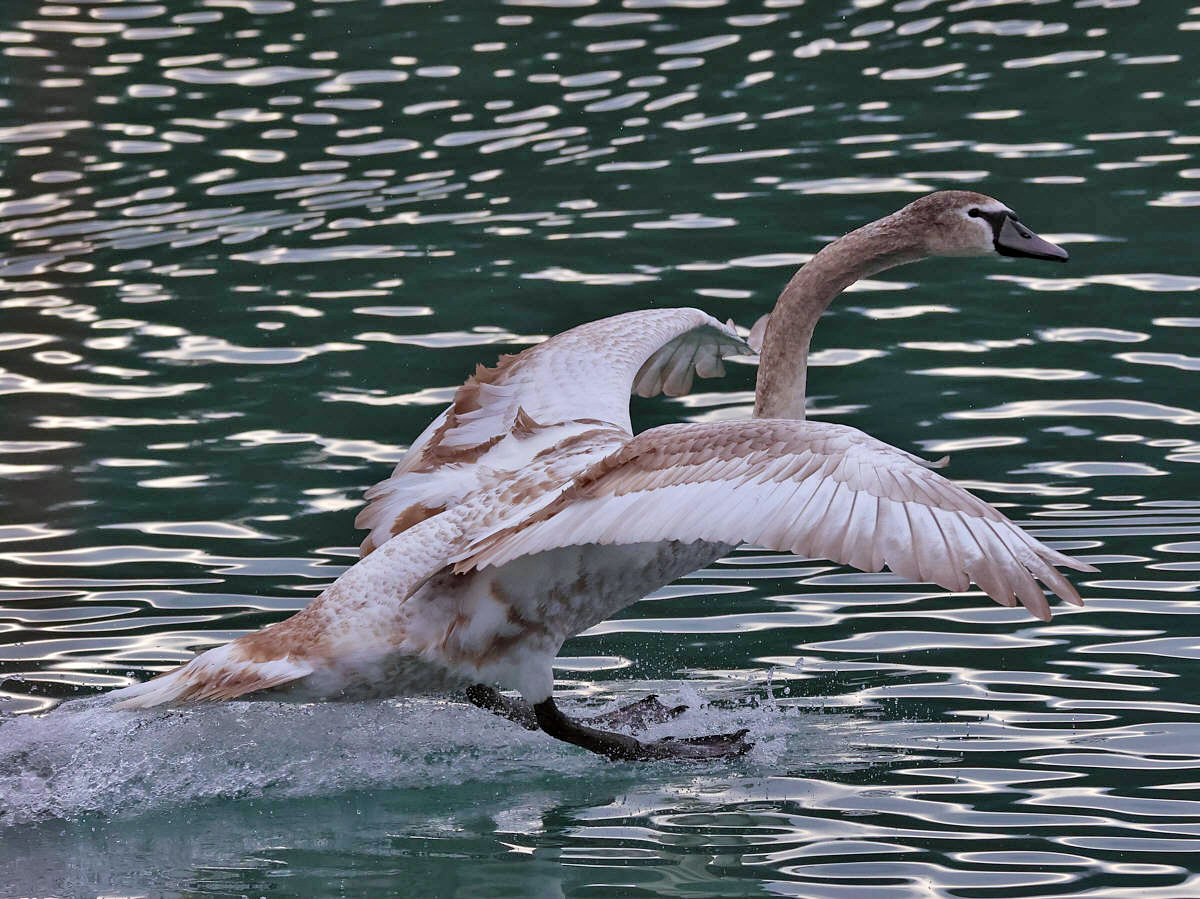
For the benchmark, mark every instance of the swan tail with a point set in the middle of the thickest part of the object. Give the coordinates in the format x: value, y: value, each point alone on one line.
x: 359, y: 612
x: 218, y: 674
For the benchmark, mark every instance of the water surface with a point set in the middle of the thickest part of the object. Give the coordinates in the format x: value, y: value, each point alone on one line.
x: 251, y: 246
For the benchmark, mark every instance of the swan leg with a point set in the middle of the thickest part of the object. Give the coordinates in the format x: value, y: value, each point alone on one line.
x: 515, y: 710
x: 619, y: 747
x: 635, y: 715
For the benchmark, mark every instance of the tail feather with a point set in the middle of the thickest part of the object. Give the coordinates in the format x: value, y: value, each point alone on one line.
x: 218, y: 674
x: 356, y: 610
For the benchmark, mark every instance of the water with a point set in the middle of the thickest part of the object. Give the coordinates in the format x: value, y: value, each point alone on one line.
x: 251, y: 246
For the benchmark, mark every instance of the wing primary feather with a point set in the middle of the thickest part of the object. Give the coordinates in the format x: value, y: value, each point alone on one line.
x: 835, y: 520
x: 708, y: 362
x: 1019, y: 577
x: 678, y: 380
x: 1065, y: 590
x: 800, y: 527
x: 1003, y: 569
x: 895, y: 536
x: 811, y: 518
x: 775, y: 527
x: 957, y: 579
x: 860, y: 535
x: 930, y: 549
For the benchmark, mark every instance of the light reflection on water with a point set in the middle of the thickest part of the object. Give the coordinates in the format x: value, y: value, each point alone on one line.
x: 250, y: 246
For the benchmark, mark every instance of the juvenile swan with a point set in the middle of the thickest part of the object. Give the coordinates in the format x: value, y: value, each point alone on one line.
x: 528, y: 511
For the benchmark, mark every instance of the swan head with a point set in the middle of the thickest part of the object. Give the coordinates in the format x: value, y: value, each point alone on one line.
x: 964, y: 223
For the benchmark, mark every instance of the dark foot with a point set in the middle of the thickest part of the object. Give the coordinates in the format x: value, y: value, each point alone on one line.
x: 713, y: 746
x: 620, y: 747
x: 638, y: 715
x: 515, y: 710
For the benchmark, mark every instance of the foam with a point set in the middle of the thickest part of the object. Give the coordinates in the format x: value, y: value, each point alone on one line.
x: 86, y: 758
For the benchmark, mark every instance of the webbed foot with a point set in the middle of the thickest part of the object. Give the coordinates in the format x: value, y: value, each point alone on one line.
x: 638, y: 715
x: 713, y: 746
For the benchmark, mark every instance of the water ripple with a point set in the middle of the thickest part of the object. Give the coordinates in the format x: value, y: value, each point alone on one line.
x: 251, y: 246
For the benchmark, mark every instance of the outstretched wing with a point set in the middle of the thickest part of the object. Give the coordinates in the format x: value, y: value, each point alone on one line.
x: 816, y: 489
x: 577, y: 381
x: 587, y: 373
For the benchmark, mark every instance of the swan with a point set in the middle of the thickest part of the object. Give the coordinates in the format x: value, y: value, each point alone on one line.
x: 528, y: 510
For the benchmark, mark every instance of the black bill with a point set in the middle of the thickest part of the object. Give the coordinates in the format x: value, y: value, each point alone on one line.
x: 1014, y: 239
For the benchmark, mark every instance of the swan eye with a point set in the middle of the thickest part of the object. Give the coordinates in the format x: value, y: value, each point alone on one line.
x: 974, y: 213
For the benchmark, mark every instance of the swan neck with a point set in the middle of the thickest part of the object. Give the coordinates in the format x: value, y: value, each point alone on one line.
x: 783, y: 360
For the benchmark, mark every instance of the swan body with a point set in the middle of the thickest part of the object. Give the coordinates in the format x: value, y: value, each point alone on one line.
x: 528, y: 511
x: 516, y: 435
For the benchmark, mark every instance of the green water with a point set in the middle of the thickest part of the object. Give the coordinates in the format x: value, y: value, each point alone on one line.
x: 249, y: 248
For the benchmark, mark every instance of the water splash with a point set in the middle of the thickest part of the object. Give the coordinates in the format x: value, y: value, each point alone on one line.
x: 84, y: 758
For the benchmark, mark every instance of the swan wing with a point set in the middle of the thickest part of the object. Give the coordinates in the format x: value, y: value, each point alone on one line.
x: 587, y: 373
x: 816, y: 489
x: 576, y: 382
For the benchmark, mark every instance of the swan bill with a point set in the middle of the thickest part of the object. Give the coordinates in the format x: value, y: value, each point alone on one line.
x: 1014, y: 239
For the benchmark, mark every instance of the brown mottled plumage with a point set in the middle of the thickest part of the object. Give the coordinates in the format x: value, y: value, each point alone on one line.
x: 528, y: 511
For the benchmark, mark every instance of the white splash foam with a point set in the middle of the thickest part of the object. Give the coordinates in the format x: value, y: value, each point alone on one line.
x: 87, y: 758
